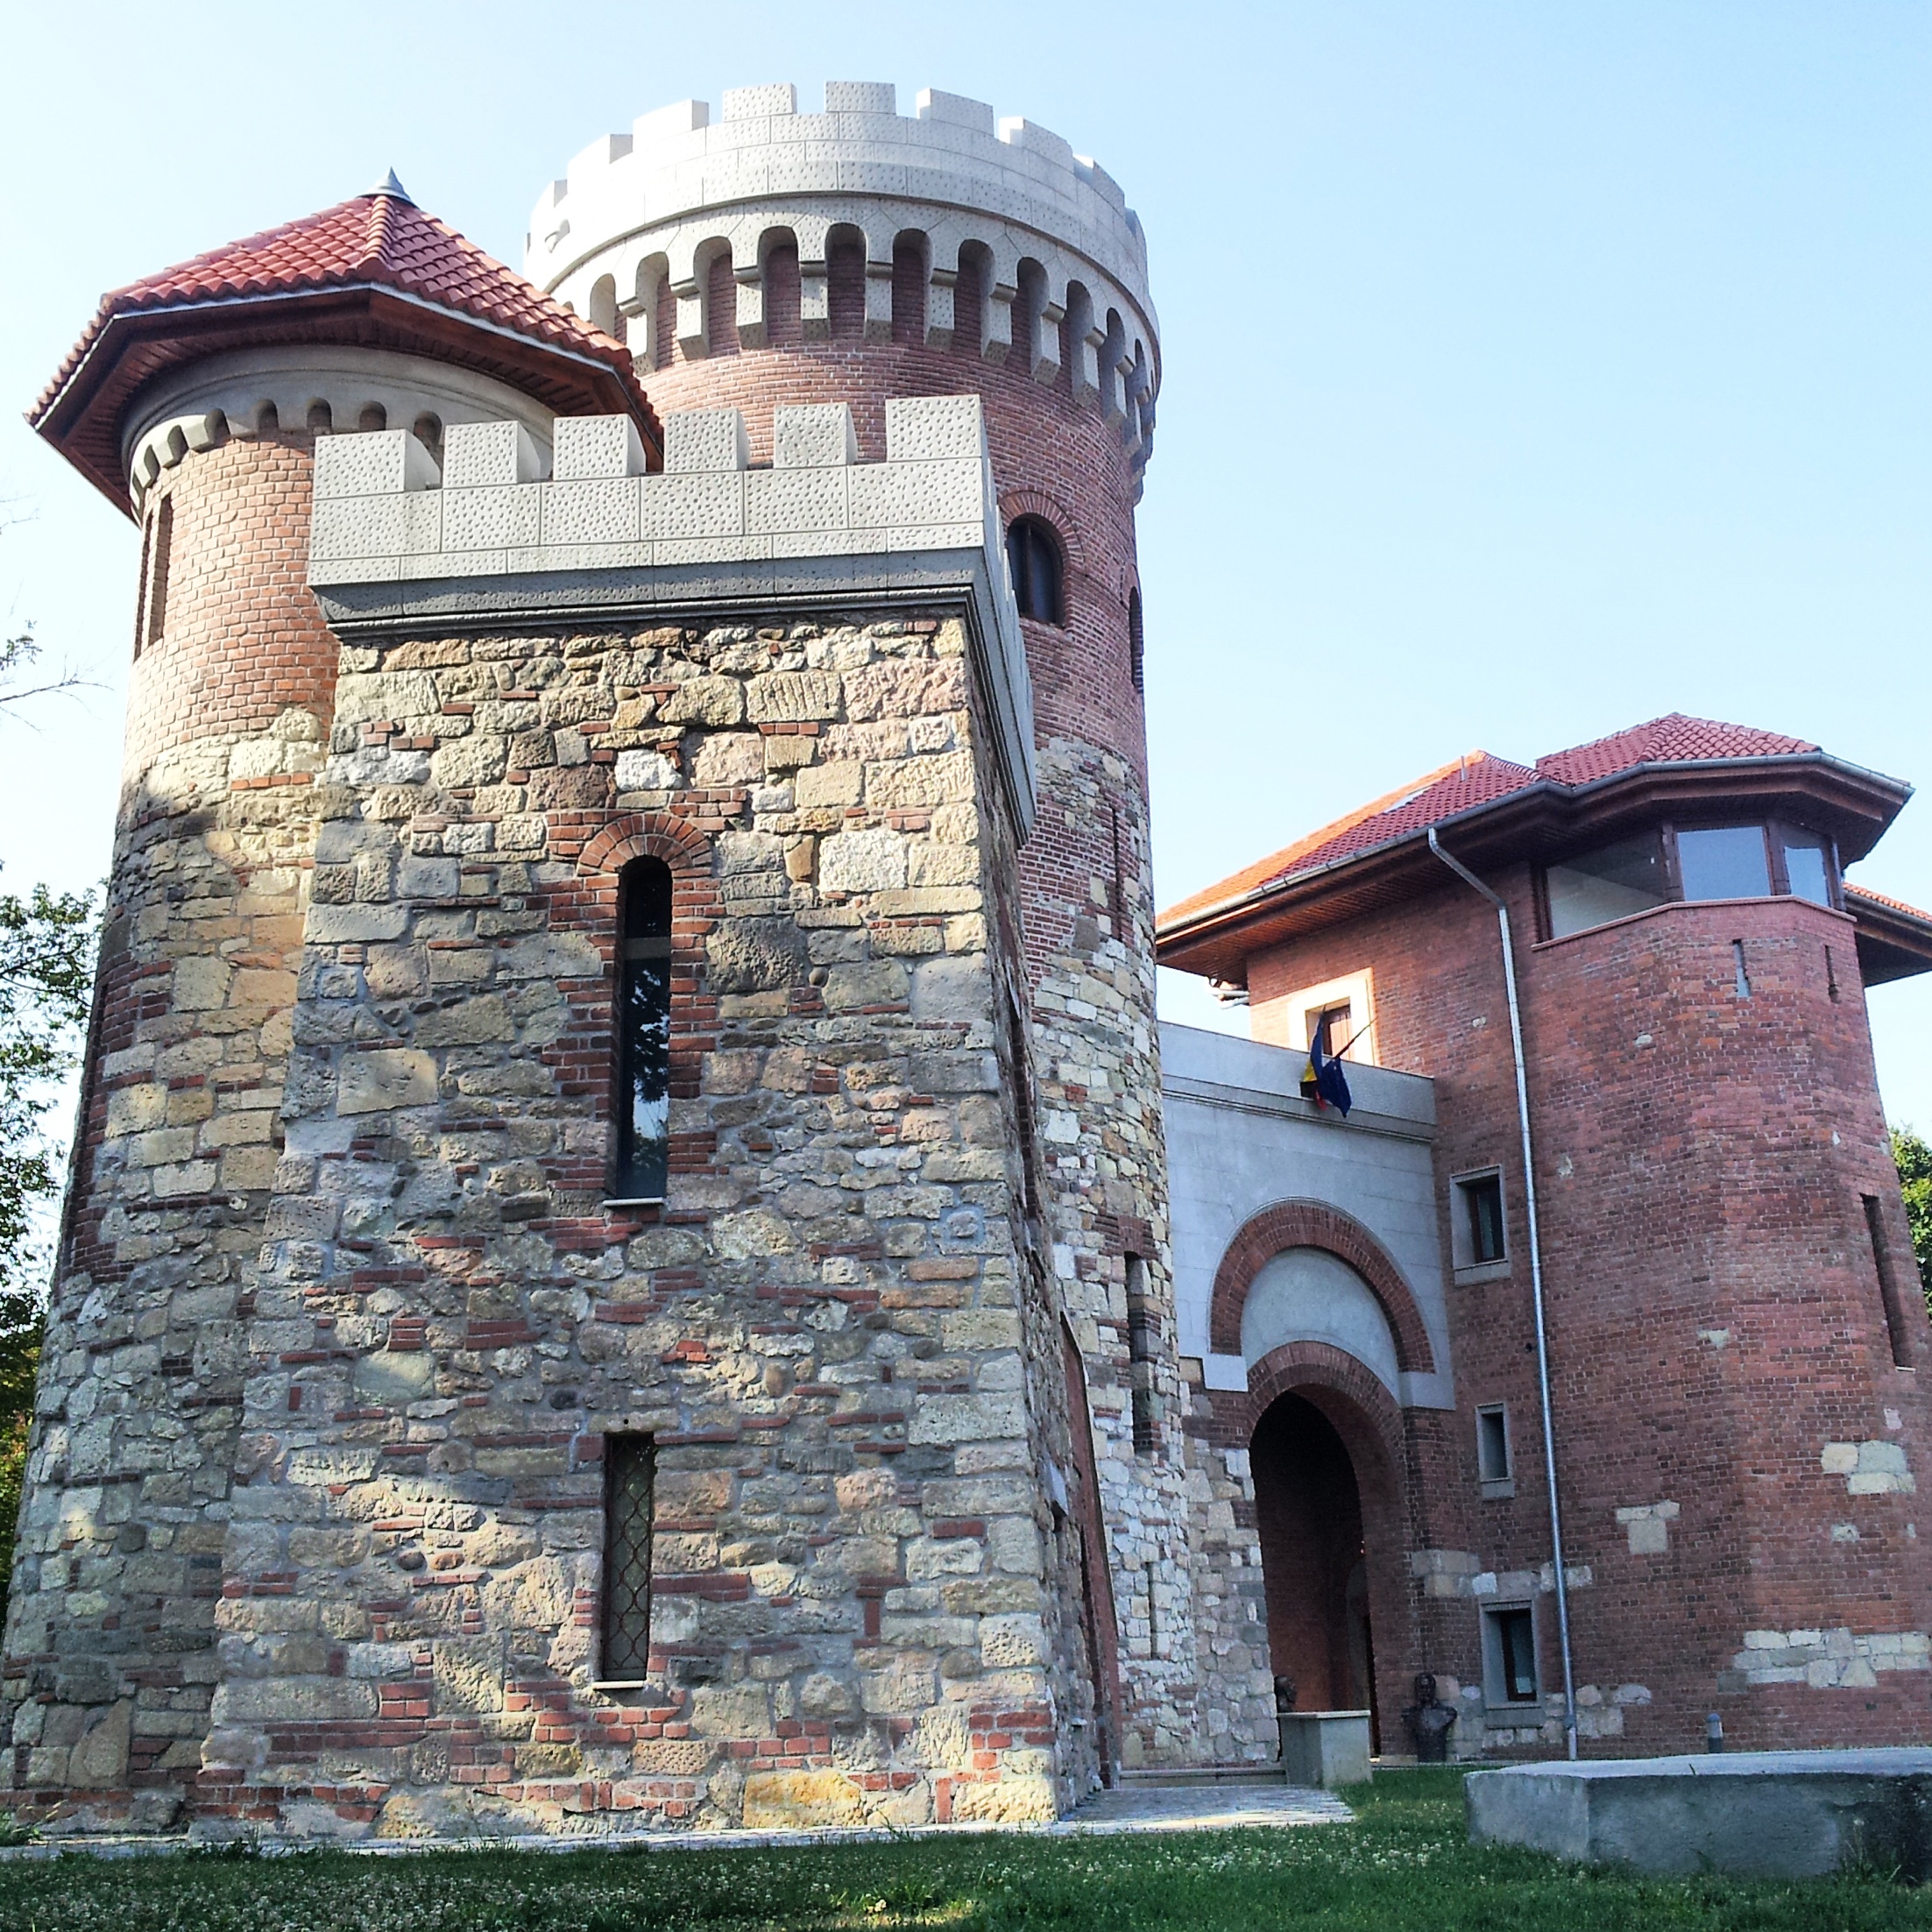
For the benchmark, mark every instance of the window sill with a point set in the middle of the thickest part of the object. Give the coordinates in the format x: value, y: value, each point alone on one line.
x: 605, y: 1686
x: 637, y: 1200
x: 1497, y: 1716
x: 1481, y: 1270
x: 1497, y: 1488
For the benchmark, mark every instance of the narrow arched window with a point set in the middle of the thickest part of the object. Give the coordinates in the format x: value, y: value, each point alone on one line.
x: 1136, y: 642
x: 1033, y: 559
x: 643, y: 1030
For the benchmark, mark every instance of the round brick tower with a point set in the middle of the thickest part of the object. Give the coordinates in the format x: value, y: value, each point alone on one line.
x: 194, y: 402
x: 854, y: 256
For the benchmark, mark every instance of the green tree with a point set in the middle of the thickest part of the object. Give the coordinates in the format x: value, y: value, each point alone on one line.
x: 47, y: 944
x: 1914, y: 1159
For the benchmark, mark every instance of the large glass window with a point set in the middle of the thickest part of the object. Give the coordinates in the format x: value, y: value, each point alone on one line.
x: 1724, y: 862
x: 1688, y: 862
x: 643, y: 1030
x: 1807, y: 864
x: 1610, y: 883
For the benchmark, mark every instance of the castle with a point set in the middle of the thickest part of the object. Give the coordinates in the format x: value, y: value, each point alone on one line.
x: 637, y: 1256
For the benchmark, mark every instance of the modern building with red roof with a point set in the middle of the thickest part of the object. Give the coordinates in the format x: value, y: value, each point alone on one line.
x: 1631, y: 977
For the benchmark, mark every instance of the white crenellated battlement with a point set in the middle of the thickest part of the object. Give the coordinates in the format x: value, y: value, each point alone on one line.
x: 1045, y: 234
x: 817, y: 526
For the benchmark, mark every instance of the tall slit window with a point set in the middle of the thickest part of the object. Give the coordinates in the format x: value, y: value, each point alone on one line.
x: 629, y: 1478
x: 643, y: 1030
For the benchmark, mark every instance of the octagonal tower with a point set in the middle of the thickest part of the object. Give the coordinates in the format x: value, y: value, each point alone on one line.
x: 772, y: 257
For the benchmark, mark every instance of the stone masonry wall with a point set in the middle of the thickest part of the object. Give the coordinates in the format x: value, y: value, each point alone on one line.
x: 109, y: 1661
x: 865, y: 1608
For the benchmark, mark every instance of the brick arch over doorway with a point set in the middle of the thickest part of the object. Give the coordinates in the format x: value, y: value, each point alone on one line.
x: 1313, y: 1224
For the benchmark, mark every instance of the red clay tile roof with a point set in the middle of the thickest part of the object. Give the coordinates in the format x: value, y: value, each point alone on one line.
x: 1479, y: 779
x: 378, y: 241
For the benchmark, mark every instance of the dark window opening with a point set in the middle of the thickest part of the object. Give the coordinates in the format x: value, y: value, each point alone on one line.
x: 1143, y: 1340
x: 1136, y: 642
x: 784, y: 297
x: 1482, y: 1232
x: 371, y: 418
x: 720, y: 307
x: 1896, y: 1331
x: 846, y: 289
x: 629, y: 1472
x: 1510, y: 1656
x: 141, y: 583
x: 909, y: 291
x: 1334, y: 1029
x: 158, y: 568
x: 1492, y: 1444
x: 1033, y: 559
x: 643, y: 1023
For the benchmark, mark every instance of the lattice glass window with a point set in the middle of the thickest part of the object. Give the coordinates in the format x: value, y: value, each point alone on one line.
x: 629, y: 1467
x: 643, y: 1031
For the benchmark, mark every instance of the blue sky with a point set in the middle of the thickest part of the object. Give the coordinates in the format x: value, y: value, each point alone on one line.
x: 1530, y: 369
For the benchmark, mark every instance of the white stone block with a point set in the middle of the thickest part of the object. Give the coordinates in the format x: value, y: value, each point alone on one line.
x: 697, y: 505
x: 946, y: 492
x: 604, y: 511
x: 731, y: 549
x: 346, y: 527
x: 935, y: 536
x: 753, y: 103
x: 476, y: 455
x: 1017, y: 131
x: 488, y: 518
x: 379, y: 462
x: 956, y: 111
x: 828, y: 543
x: 862, y: 97
x: 646, y: 771
x: 596, y: 446
x: 924, y: 427
x: 705, y: 439
x: 812, y: 436
x: 795, y: 499
x: 669, y: 124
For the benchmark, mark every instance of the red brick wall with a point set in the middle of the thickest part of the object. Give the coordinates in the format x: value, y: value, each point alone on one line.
x: 1714, y: 1308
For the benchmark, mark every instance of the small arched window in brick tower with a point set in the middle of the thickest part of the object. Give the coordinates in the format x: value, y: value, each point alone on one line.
x: 1038, y: 568
x: 643, y: 1028
x: 1136, y: 642
x: 151, y: 619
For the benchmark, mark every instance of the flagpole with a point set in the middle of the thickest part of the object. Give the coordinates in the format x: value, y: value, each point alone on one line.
x: 1536, y: 1281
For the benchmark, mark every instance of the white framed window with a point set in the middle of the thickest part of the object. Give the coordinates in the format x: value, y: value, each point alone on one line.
x: 1479, y: 1237
x: 1495, y: 1470
x: 1341, y: 1013
x: 1510, y: 1677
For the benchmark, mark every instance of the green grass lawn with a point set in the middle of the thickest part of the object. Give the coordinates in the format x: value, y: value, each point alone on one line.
x: 1403, y: 1863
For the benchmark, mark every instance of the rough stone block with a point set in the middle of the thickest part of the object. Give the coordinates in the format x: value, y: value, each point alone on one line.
x: 922, y: 428
x: 1771, y: 1813
x: 380, y: 463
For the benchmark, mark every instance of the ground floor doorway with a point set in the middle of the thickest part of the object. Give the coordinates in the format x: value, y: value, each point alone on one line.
x: 1315, y: 1562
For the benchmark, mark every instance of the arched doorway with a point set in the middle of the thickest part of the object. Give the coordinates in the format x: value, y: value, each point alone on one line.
x: 1313, y: 1560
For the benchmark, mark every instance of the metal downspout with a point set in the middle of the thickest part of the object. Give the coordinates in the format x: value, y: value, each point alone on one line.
x: 1536, y: 1282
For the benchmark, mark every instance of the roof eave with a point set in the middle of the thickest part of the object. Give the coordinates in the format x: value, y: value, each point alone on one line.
x: 60, y: 413
x: 1219, y: 921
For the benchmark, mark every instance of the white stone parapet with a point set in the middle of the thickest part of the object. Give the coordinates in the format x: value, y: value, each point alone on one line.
x: 1050, y: 231
x: 385, y: 513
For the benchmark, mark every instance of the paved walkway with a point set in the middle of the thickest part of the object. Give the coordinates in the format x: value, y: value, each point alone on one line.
x: 1203, y: 1808
x: 1133, y: 1809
